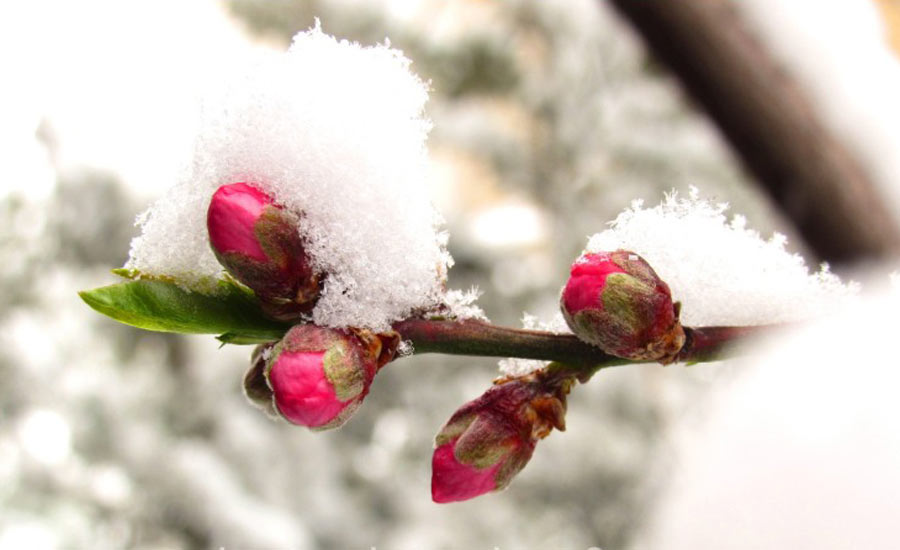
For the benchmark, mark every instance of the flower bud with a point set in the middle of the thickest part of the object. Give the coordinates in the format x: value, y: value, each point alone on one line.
x: 258, y: 242
x: 489, y: 440
x: 320, y: 376
x: 616, y: 301
x: 256, y: 388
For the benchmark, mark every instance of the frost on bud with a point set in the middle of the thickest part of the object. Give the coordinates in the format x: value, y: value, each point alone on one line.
x: 489, y: 440
x: 320, y: 376
x: 616, y: 301
x: 258, y: 242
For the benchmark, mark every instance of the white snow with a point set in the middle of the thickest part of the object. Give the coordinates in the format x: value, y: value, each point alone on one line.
x: 797, y: 449
x: 332, y: 130
x: 461, y: 304
x: 722, y: 272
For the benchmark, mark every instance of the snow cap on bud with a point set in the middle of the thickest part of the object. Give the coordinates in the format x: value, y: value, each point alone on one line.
x: 320, y: 376
x: 616, y: 301
x: 258, y: 242
x: 489, y: 440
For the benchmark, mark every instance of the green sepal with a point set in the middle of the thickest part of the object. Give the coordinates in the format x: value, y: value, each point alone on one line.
x: 126, y: 272
x: 239, y: 339
x: 231, y: 311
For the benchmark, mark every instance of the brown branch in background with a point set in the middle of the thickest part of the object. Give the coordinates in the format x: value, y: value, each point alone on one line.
x: 764, y: 114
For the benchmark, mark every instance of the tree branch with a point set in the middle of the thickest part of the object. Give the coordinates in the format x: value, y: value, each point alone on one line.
x: 815, y: 180
x: 484, y: 339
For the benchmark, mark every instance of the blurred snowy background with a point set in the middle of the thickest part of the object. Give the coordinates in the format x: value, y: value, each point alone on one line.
x: 549, y: 119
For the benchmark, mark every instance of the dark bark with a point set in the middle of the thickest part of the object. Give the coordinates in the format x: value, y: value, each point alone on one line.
x: 765, y: 115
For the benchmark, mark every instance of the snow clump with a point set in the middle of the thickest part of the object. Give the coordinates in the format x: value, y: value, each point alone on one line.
x: 722, y: 272
x: 336, y: 132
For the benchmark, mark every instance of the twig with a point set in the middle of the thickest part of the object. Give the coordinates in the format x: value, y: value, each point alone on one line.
x: 484, y: 339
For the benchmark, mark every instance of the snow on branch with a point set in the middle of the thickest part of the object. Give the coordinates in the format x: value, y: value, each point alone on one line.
x: 723, y: 272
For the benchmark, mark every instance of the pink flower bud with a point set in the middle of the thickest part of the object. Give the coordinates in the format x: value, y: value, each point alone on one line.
x: 489, y: 440
x: 320, y: 376
x: 258, y: 242
x: 616, y: 301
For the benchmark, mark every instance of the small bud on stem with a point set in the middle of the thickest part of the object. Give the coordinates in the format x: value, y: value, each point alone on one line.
x: 320, y: 376
x: 615, y: 301
x: 256, y: 389
x: 258, y: 242
x: 489, y: 440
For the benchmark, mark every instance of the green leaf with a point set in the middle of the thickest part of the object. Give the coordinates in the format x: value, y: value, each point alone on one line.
x: 161, y: 305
